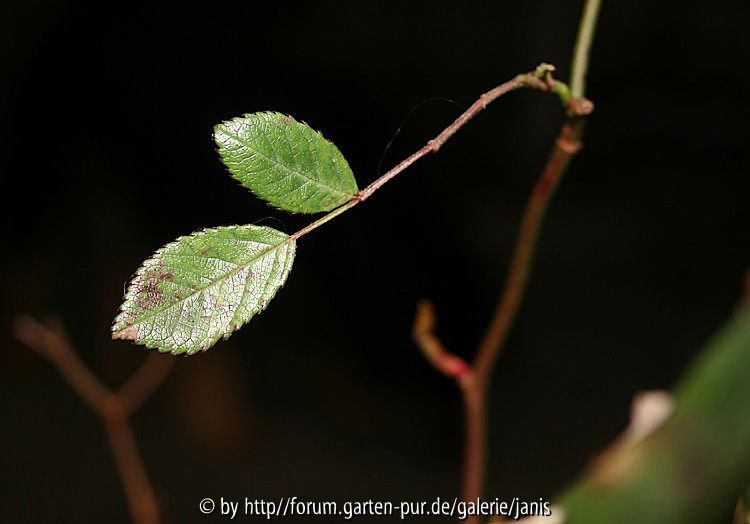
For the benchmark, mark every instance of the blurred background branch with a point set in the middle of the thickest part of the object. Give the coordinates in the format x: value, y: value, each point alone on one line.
x: 114, y: 408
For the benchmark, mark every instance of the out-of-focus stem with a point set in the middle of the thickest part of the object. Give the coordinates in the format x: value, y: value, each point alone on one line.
x: 586, y: 30
x: 493, y: 341
x: 114, y: 409
x: 566, y: 146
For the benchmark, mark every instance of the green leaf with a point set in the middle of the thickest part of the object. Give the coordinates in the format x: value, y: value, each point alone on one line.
x: 285, y: 162
x: 202, y: 287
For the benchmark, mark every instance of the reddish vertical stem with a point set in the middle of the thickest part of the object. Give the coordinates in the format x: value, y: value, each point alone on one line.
x: 475, y: 442
x: 565, y: 148
x: 475, y: 393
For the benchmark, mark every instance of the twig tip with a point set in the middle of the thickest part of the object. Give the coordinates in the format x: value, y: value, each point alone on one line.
x: 424, y: 320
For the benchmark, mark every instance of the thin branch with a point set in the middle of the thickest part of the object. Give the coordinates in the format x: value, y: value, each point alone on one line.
x: 566, y: 146
x: 455, y: 367
x: 51, y: 342
x: 432, y: 348
x: 515, y: 285
x: 475, y: 380
x: 475, y: 394
x: 540, y: 79
x: 435, y: 144
x: 140, y: 494
x: 475, y: 443
x: 146, y: 379
x: 586, y: 30
x: 330, y: 216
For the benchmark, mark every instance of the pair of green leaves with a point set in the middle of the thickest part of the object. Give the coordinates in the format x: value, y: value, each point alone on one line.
x: 204, y: 286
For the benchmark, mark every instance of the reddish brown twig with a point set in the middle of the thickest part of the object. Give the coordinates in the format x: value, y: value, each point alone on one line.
x: 457, y: 368
x: 432, y: 348
x: 146, y: 379
x: 566, y: 146
x: 476, y: 397
x: 114, y: 408
x: 474, y: 378
x: 475, y: 388
x: 540, y: 79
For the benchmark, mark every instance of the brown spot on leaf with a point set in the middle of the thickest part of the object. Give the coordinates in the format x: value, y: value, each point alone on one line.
x: 128, y: 333
x: 148, y: 294
x: 287, y: 120
x: 205, y: 250
x: 127, y: 318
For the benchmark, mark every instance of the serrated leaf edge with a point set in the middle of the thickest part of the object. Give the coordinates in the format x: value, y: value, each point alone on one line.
x: 130, y: 332
x: 348, y: 196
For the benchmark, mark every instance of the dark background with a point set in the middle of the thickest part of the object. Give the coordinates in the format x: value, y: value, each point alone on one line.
x: 106, y: 154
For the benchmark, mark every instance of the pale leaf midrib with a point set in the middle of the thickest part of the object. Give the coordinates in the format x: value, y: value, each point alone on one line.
x: 284, y: 166
x: 151, y: 314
